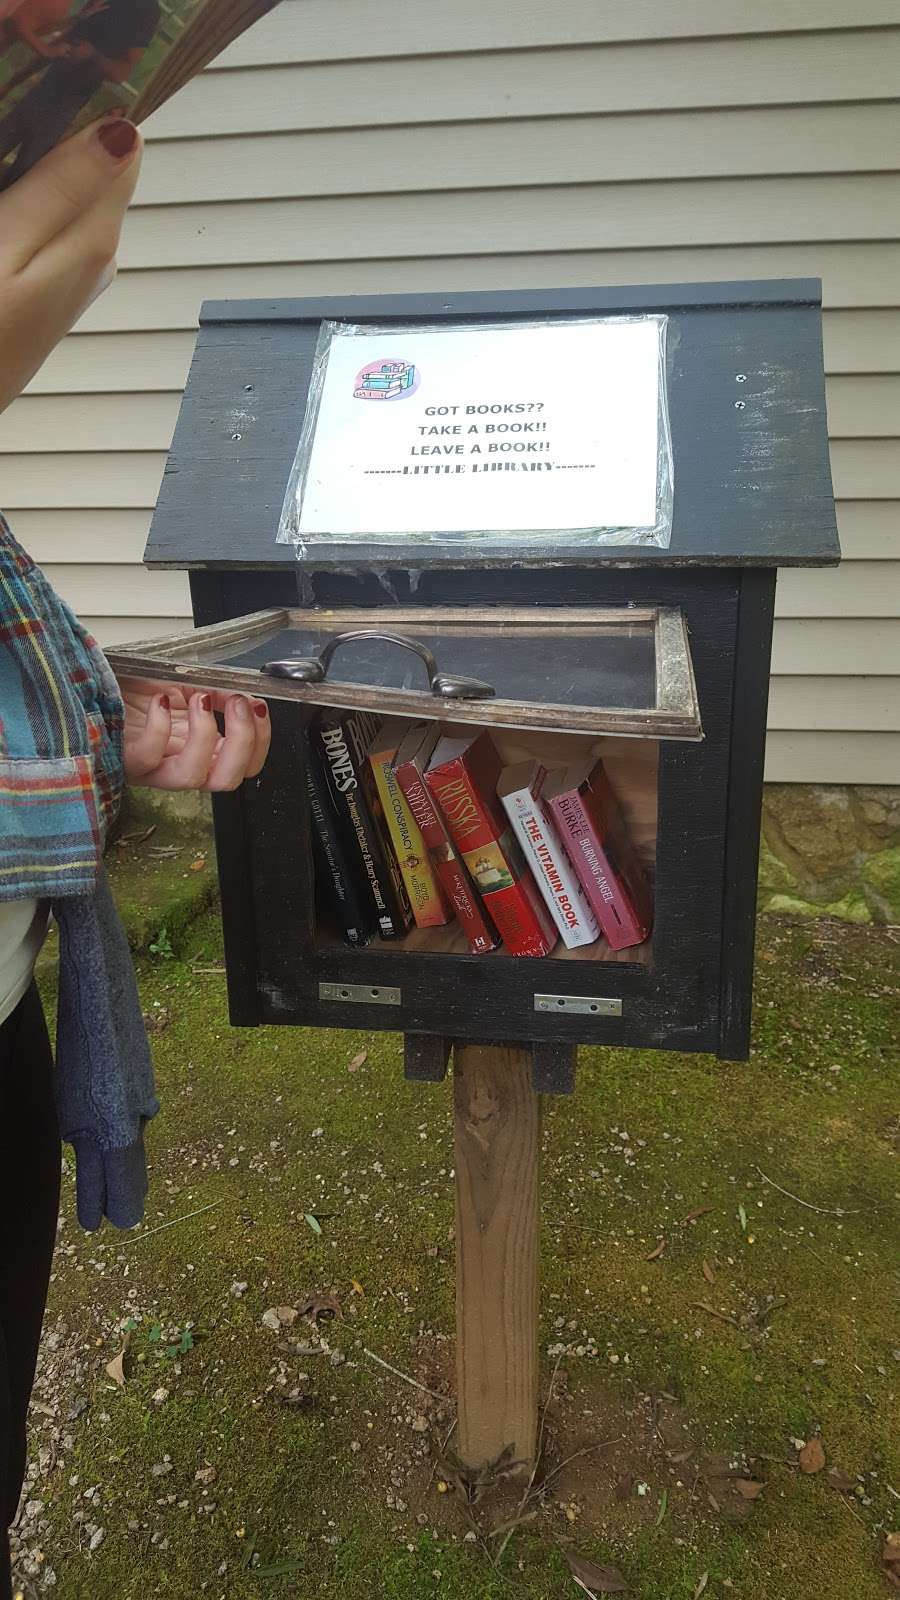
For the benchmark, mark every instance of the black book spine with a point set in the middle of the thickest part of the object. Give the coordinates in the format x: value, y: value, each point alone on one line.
x: 338, y: 874
x: 342, y: 743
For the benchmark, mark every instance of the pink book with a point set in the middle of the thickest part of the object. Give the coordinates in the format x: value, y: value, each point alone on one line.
x: 587, y: 815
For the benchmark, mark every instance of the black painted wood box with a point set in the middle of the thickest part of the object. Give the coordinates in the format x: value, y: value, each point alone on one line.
x: 668, y: 650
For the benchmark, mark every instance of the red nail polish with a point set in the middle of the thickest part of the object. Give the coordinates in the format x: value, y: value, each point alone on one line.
x: 206, y: 702
x: 118, y: 138
x: 165, y: 702
x: 260, y: 708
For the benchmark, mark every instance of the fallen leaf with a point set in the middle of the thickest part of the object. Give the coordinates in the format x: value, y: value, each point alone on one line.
x: 742, y: 1218
x: 312, y: 1222
x: 708, y: 1273
x: 115, y: 1369
x: 890, y: 1557
x: 812, y: 1457
x: 198, y: 864
x: 663, y: 1503
x: 701, y: 1586
x: 841, y: 1481
x: 321, y: 1307
x: 655, y: 1254
x: 358, y: 1061
x: 702, y: 1211
x: 593, y: 1579
x: 298, y: 1400
x: 749, y: 1488
x: 205, y: 1475
x: 356, y: 1287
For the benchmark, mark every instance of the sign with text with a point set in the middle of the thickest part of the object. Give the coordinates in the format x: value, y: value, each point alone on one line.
x: 442, y: 433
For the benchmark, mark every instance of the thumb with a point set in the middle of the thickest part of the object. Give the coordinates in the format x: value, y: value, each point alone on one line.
x: 64, y: 185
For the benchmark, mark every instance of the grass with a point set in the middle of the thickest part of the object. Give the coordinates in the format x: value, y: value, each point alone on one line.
x: 336, y: 1491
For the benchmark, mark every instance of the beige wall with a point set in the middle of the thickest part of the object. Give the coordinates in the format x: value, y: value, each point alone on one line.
x: 368, y: 145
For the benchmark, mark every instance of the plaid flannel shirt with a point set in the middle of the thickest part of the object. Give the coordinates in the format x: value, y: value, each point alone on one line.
x: 61, y: 723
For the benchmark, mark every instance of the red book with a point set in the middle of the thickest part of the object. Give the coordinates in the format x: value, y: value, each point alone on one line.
x: 462, y: 778
x: 587, y: 815
x: 410, y: 764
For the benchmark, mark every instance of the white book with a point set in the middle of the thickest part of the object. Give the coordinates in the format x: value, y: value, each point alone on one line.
x: 519, y: 791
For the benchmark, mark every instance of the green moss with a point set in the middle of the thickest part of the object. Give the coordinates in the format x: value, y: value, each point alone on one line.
x: 851, y: 907
x: 881, y: 876
x: 774, y: 876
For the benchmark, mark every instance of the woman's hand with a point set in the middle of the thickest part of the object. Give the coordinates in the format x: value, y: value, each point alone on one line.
x: 59, y: 232
x: 172, y: 738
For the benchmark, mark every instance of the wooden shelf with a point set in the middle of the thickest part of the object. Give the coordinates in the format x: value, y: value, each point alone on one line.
x: 451, y: 941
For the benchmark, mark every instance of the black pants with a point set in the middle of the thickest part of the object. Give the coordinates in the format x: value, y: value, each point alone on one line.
x: 29, y: 1205
x: 44, y: 115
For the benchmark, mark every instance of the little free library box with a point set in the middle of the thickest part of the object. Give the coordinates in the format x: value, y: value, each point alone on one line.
x: 503, y: 566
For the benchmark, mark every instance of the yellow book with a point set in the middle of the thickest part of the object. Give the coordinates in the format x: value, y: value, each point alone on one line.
x: 425, y: 895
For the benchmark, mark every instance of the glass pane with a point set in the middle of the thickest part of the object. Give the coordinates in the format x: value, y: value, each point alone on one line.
x: 564, y: 663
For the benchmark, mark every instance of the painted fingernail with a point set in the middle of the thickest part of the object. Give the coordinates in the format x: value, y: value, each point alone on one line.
x: 260, y: 708
x: 118, y: 138
x: 206, y: 702
x: 165, y: 702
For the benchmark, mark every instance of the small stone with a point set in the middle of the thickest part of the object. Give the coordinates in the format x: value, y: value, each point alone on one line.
x: 205, y: 1475
x: 238, y: 1288
x: 278, y: 1317
x: 97, y: 1538
x: 160, y: 1396
x: 420, y: 1424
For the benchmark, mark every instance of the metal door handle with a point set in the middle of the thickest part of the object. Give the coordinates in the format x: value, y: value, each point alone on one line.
x: 314, y: 669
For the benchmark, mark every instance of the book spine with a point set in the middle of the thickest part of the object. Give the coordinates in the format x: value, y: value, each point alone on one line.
x: 337, y: 875
x: 425, y: 895
x: 341, y: 746
x: 493, y: 860
x: 616, y: 916
x: 463, y: 899
x: 563, y: 895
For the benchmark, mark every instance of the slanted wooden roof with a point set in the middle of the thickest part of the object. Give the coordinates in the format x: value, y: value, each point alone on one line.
x: 752, y: 480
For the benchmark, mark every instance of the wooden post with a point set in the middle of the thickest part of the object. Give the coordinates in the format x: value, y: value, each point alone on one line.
x: 497, y: 1119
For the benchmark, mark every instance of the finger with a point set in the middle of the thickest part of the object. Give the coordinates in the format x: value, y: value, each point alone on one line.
x: 263, y: 732
x: 67, y: 185
x: 79, y: 262
x: 238, y: 746
x: 145, y: 750
x: 189, y: 769
x: 144, y: 689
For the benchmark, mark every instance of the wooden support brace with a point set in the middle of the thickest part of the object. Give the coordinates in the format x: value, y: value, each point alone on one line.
x: 553, y: 1067
x: 497, y: 1119
x: 425, y: 1057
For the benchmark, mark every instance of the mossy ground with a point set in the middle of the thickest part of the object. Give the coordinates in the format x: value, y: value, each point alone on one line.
x: 335, y: 1492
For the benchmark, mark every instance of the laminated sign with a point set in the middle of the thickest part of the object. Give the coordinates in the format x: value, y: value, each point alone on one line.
x: 515, y: 434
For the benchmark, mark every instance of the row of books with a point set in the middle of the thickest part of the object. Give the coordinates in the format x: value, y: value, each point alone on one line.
x: 411, y: 825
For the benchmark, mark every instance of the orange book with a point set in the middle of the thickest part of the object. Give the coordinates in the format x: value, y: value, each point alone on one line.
x: 426, y: 897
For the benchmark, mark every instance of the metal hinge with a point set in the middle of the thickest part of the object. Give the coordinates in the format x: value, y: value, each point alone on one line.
x: 584, y: 1005
x: 361, y: 994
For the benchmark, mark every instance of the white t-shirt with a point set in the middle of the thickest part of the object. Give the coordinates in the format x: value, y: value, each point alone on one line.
x: 23, y: 927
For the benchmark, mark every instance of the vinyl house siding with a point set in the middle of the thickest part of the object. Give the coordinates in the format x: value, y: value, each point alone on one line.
x: 361, y: 145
